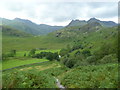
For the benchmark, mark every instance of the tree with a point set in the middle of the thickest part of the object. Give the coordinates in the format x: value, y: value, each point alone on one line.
x: 56, y: 56
x: 4, y: 56
x: 24, y: 54
x: 86, y: 53
x: 13, y: 51
x: 70, y: 63
x: 104, y: 50
x: 50, y: 56
x: 63, y: 52
x: 32, y: 52
x: 68, y: 48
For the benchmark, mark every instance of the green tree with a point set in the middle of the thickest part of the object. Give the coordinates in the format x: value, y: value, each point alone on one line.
x: 86, y: 53
x: 63, y: 52
x: 24, y: 54
x: 70, y: 63
x: 32, y: 52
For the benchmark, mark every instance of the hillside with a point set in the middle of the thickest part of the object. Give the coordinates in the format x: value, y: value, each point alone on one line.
x: 92, y: 33
x: 8, y: 31
x: 29, y: 27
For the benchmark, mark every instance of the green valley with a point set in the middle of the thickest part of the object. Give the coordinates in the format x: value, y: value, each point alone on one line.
x: 84, y: 54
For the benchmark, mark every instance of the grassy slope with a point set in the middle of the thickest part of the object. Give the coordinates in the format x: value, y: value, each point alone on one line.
x: 100, y: 76
x: 52, y: 42
x: 8, y: 31
x: 28, y: 43
x: 93, y: 39
x: 91, y: 36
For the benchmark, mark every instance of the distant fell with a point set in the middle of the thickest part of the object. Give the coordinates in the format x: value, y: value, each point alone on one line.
x: 8, y: 31
x: 91, y: 20
x: 77, y: 23
x: 29, y: 26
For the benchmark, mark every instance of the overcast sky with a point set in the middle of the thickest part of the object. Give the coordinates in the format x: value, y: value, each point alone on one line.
x: 58, y: 13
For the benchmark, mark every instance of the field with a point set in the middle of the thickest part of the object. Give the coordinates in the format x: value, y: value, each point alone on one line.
x: 16, y: 62
x: 19, y: 59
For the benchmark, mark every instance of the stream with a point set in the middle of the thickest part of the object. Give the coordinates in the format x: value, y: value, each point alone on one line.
x: 59, y: 85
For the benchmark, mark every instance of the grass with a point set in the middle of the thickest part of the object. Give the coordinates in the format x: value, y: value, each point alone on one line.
x: 95, y: 76
x: 17, y: 62
x: 28, y: 79
x: 28, y: 43
x: 42, y: 66
x: 35, y: 76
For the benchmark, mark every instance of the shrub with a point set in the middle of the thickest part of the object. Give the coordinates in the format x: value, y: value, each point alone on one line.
x: 86, y: 53
x: 48, y: 55
x: 91, y: 60
x: 4, y: 56
x: 28, y: 79
x: 32, y: 52
x: 108, y: 59
x: 70, y: 63
x: 63, y: 52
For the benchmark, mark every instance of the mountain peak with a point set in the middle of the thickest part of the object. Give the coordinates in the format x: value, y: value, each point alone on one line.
x: 93, y: 20
x: 17, y: 19
x: 77, y: 22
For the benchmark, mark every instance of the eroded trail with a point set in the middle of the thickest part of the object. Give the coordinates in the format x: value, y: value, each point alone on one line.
x: 59, y: 85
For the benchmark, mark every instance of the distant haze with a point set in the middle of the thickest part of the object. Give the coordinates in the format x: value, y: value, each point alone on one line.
x: 58, y: 13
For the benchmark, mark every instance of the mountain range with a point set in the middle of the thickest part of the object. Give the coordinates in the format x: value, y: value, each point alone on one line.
x: 30, y: 27
x: 43, y: 29
x: 83, y: 22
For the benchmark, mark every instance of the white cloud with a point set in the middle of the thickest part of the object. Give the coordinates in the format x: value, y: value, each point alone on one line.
x: 57, y: 13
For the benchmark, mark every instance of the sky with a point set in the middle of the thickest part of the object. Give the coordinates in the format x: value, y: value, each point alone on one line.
x: 58, y: 13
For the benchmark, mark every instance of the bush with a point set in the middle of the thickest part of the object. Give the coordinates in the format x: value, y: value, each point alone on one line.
x: 12, y: 53
x: 28, y: 79
x: 48, y: 55
x: 32, y: 52
x: 63, y: 52
x: 108, y: 59
x: 77, y: 46
x: 4, y: 56
x: 70, y: 63
x: 104, y: 50
x: 91, y: 60
x: 86, y: 53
